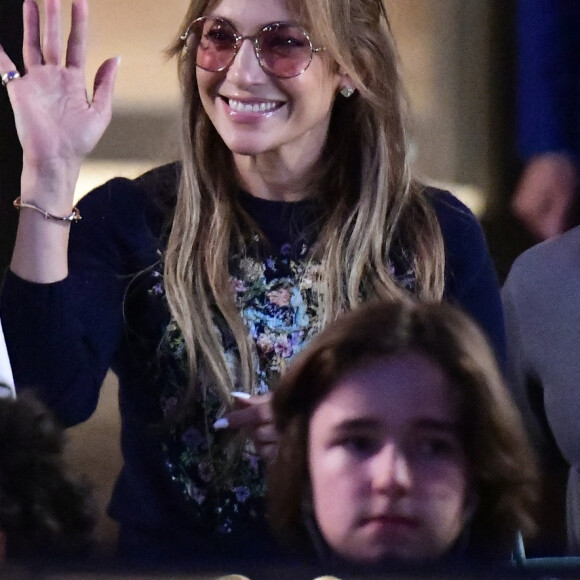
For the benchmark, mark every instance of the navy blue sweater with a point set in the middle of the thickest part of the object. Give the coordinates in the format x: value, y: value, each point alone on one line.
x: 548, y: 34
x: 110, y: 312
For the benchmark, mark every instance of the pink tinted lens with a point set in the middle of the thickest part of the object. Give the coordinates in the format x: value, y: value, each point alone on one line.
x: 216, y: 44
x: 285, y: 50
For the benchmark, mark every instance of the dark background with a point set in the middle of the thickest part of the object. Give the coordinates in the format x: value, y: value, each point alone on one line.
x: 10, y: 151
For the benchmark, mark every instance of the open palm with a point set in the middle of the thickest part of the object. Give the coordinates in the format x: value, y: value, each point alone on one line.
x: 54, y: 116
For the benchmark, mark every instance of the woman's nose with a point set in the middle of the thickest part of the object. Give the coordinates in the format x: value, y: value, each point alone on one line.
x: 245, y: 68
x: 391, y: 471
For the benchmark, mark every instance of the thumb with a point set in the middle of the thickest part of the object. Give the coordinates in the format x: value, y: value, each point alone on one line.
x: 246, y: 400
x: 104, y: 86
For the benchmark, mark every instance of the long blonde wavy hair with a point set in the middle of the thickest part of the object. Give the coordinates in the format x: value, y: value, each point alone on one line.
x: 363, y: 184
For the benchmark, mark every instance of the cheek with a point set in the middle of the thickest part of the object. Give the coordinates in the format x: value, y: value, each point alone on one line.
x: 444, y: 501
x: 320, y: 476
x: 207, y: 84
x: 324, y: 97
x: 334, y: 482
x: 446, y: 485
x: 334, y: 501
x: 315, y: 91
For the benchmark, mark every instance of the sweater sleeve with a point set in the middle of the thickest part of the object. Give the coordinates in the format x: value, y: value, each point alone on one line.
x: 548, y: 72
x: 6, y: 378
x: 62, y: 336
x: 518, y: 367
x: 524, y: 380
x: 471, y: 279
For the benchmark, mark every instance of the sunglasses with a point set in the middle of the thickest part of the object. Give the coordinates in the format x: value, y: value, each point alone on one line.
x: 283, y: 49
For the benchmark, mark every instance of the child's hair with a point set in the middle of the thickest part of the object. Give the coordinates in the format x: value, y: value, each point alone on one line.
x: 43, y: 511
x: 502, y: 465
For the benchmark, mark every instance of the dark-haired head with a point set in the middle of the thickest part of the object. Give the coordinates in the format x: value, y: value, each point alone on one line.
x: 499, y: 467
x: 43, y: 511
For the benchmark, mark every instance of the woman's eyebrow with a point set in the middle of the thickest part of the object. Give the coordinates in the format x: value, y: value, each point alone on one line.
x: 258, y: 27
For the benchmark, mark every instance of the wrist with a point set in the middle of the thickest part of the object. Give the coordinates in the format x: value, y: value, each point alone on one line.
x: 50, y: 187
x: 72, y: 216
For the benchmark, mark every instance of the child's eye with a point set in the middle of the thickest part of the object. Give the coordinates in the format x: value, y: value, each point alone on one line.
x: 434, y: 447
x: 360, y: 445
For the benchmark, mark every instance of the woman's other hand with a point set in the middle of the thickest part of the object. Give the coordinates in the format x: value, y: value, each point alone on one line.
x: 545, y: 194
x: 253, y: 415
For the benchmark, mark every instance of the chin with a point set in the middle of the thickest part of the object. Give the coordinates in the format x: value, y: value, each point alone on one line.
x: 248, y: 150
x: 246, y: 147
x: 248, y: 141
x: 401, y: 553
x: 377, y: 561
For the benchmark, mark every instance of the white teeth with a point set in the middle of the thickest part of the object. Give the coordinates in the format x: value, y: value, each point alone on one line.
x: 251, y: 108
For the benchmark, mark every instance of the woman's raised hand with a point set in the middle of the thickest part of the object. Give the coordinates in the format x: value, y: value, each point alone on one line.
x: 57, y: 122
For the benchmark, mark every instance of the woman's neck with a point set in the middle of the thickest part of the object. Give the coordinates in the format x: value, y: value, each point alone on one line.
x: 267, y: 176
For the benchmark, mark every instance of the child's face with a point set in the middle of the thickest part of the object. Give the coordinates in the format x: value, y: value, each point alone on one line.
x: 387, y: 466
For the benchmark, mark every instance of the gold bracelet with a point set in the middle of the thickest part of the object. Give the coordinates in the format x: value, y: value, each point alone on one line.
x: 75, y: 216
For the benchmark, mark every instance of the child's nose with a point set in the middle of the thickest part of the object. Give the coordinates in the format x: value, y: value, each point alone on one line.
x: 391, y: 471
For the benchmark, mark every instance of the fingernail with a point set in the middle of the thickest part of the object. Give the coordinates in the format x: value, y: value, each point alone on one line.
x: 240, y: 395
x: 222, y: 423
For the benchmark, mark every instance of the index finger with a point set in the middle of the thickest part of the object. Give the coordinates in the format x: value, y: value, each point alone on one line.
x: 250, y: 416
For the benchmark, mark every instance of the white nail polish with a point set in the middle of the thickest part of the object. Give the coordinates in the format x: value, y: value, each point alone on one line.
x: 240, y: 395
x: 222, y: 423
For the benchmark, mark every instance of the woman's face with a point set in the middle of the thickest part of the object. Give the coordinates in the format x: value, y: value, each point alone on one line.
x: 291, y: 115
x: 388, y: 470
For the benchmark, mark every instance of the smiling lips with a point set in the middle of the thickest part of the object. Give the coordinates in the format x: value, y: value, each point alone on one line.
x: 253, y: 107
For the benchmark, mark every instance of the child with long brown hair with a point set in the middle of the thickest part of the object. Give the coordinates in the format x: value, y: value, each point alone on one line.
x: 400, y: 443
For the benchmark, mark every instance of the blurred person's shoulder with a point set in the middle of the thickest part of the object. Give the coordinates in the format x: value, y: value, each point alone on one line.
x: 556, y: 259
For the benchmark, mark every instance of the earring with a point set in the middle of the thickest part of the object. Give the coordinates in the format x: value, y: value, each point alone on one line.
x: 347, y: 92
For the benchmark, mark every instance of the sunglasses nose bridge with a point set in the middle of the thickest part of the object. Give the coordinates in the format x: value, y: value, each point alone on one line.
x: 237, y: 48
x: 255, y: 40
